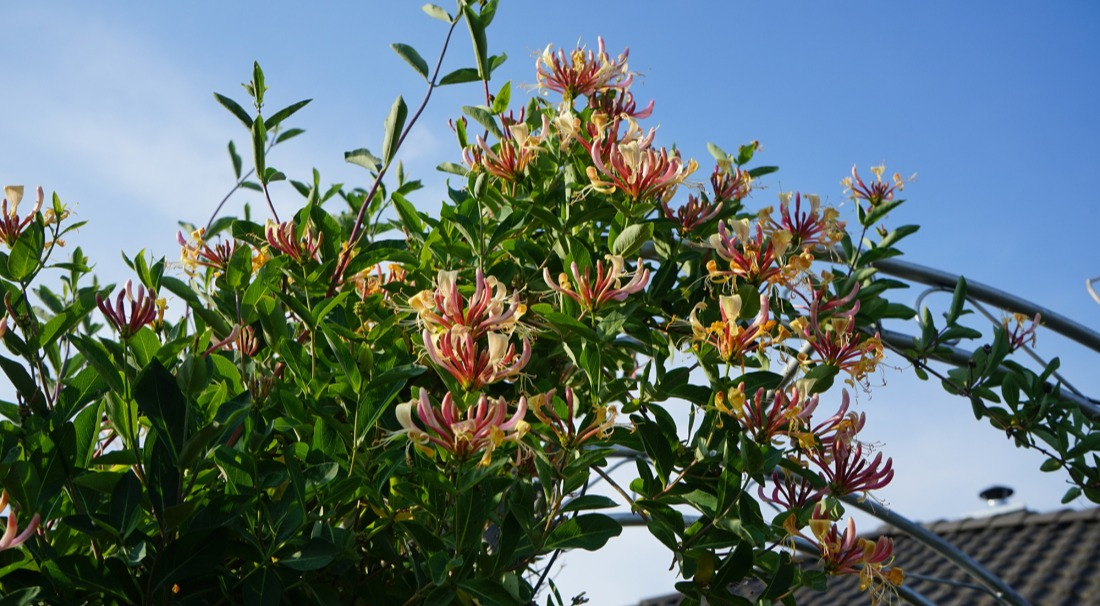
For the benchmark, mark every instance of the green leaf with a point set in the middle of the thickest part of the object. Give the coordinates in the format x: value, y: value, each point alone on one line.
x: 278, y: 117
x: 461, y: 75
x: 395, y: 121
x: 957, y: 301
x: 235, y: 109
x: 159, y: 398
x: 259, y: 141
x: 489, y: 592
x: 477, y: 35
x: 364, y: 158
x: 19, y: 377
x: 26, y: 253
x: 236, y: 159
x: 632, y: 238
x: 314, y: 555
x: 590, y: 532
x: 263, y: 588
x: 589, y: 501
x: 484, y: 117
x: 436, y: 12
x: 502, y: 99
x: 411, y: 57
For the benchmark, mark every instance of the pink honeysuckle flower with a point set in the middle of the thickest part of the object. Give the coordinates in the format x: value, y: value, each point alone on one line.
x: 145, y: 308
x: 847, y: 471
x: 747, y: 252
x: 12, y: 538
x: 831, y: 332
x: 10, y: 223
x: 197, y: 251
x: 600, y: 424
x: 472, y: 364
x: 582, y: 72
x: 481, y: 431
x: 790, y: 491
x: 730, y: 183
x: 843, y: 552
x: 489, y: 309
x: 696, y: 212
x: 876, y: 192
x: 240, y: 338
x: 619, y: 104
x: 726, y: 335
x: 591, y: 293
x: 283, y: 237
x: 808, y: 228
x: 510, y: 158
x: 766, y: 419
x: 638, y: 170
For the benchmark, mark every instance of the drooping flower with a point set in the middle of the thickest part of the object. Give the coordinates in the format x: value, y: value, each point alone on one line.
x: 143, y: 309
x: 283, y: 237
x: 12, y: 538
x: 591, y: 293
x: 766, y: 419
x: 11, y: 225
x: 843, y: 552
x: 848, y: 471
x: 471, y: 362
x: 484, y: 427
x: 1020, y: 330
x: 582, y: 72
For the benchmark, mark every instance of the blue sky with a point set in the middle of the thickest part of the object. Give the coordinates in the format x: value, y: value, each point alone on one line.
x: 992, y: 104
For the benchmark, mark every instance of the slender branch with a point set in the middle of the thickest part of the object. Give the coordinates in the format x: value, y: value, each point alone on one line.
x: 357, y: 228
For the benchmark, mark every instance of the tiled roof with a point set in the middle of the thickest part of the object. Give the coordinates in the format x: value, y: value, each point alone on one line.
x: 1051, y: 559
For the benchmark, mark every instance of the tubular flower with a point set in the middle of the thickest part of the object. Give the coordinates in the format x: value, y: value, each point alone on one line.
x: 619, y: 104
x: 693, y: 214
x: 765, y: 419
x: 197, y: 252
x: 875, y: 193
x: 12, y: 538
x: 808, y: 228
x: 591, y: 293
x: 600, y: 424
x: 513, y: 154
x: 841, y: 427
x: 10, y: 223
x: 847, y: 471
x: 582, y: 72
x: 241, y: 338
x: 283, y: 237
x: 834, y: 338
x: 638, y: 170
x: 473, y: 365
x: 789, y: 490
x: 488, y: 309
x: 845, y: 553
x: 750, y: 255
x: 373, y: 280
x: 143, y: 310
x: 727, y: 336
x: 730, y: 183
x: 481, y: 431
x: 1020, y: 330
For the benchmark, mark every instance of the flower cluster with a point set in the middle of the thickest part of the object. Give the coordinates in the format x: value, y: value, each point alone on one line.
x: 509, y: 160
x: 284, y: 238
x: 766, y: 418
x: 877, y: 191
x: 482, y: 430
x: 727, y: 336
x: 582, y: 72
x: 843, y: 552
x: 197, y: 251
x: 808, y: 228
x: 10, y: 223
x: 748, y: 253
x: 831, y: 332
x: 471, y: 338
x: 591, y: 293
x: 638, y: 170
x: 564, y: 428
x: 145, y: 308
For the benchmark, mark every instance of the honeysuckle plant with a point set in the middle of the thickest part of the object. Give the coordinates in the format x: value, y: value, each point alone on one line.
x: 364, y: 404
